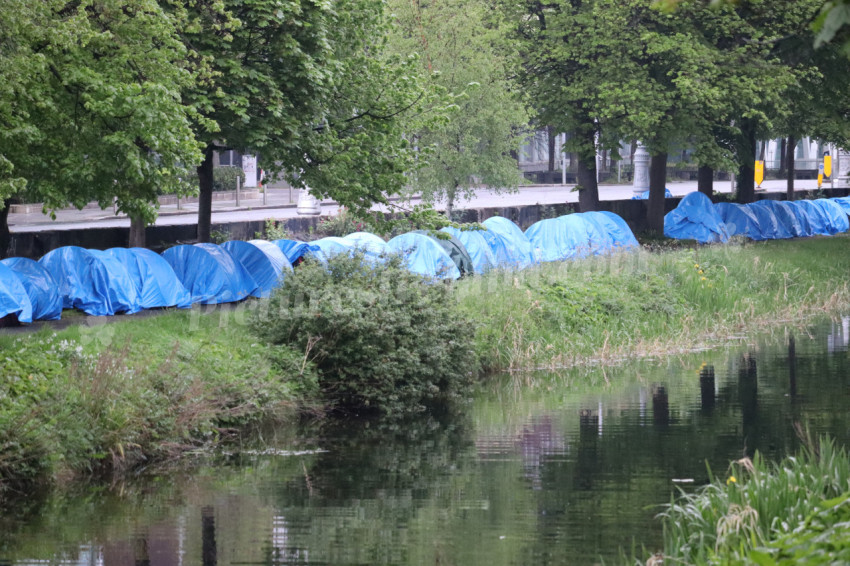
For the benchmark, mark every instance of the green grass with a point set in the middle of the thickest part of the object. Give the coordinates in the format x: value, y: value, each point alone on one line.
x: 792, y: 512
x: 607, y: 309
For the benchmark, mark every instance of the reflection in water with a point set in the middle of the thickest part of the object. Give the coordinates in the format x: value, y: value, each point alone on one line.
x: 515, y: 480
x: 707, y: 389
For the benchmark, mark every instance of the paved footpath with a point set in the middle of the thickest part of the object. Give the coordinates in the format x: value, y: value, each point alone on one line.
x: 280, y: 204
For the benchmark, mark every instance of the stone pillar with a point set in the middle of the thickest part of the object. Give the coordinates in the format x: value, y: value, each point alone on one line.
x: 249, y: 166
x: 641, y: 169
x: 308, y: 205
x: 842, y: 168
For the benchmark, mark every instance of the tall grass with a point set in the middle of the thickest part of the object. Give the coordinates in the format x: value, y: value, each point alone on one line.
x: 606, y: 309
x: 764, y: 513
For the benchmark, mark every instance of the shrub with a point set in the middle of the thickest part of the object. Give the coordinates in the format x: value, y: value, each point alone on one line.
x: 342, y: 224
x: 383, y: 339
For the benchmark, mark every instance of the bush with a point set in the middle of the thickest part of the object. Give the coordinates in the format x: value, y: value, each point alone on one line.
x: 383, y: 339
x: 224, y: 178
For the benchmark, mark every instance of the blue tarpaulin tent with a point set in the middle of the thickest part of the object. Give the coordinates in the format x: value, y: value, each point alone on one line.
x: 769, y: 226
x: 265, y: 268
x: 803, y: 217
x: 597, y: 234
x: 695, y: 219
x: 210, y: 274
x: 844, y: 202
x: 41, y: 288
x: 156, y: 284
x: 14, y: 299
x: 786, y: 212
x: 784, y: 221
x: 373, y: 247
x: 91, y: 281
x: 519, y: 251
x: 621, y: 234
x: 331, y: 246
x: 424, y: 256
x: 558, y: 239
x: 834, y: 215
x: 815, y: 216
x: 739, y: 220
x: 476, y: 246
x: 294, y: 250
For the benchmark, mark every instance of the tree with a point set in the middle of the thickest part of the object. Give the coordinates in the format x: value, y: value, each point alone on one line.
x: 91, y: 106
x: 460, y: 49
x: 306, y: 85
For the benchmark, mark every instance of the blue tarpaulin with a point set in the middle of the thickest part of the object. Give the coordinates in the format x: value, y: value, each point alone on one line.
x: 844, y: 202
x: 266, y: 270
x: 210, y: 274
x: 294, y: 250
x: 14, y: 299
x: 519, y: 251
x: 156, y: 284
x: 331, y: 246
x: 275, y: 255
x: 621, y: 234
x: 91, y: 281
x: 695, y: 219
x: 41, y: 288
x: 558, y: 239
x: 769, y: 226
x: 786, y: 213
x: 424, y: 256
x: 374, y: 248
x: 476, y: 246
x: 803, y: 217
x: 739, y: 220
x: 645, y: 195
x: 597, y: 234
x: 784, y: 224
x: 815, y: 215
x: 834, y: 215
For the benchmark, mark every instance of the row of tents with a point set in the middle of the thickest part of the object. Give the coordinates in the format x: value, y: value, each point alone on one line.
x: 697, y: 218
x: 127, y: 280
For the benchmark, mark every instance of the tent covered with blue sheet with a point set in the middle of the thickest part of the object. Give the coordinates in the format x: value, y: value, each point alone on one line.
x: 156, y: 284
x: 454, y: 248
x: 739, y: 220
x: 424, y: 256
x: 513, y: 248
x: 91, y: 281
x: 786, y: 224
x: 695, y: 219
x: 374, y: 248
x: 770, y: 228
x: 40, y: 286
x: 597, y: 234
x: 558, y: 239
x: 814, y: 215
x: 797, y: 223
x: 294, y: 250
x: 265, y: 264
x: 14, y: 299
x: 331, y: 246
x: 210, y: 273
x: 621, y: 235
x: 476, y: 247
x: 843, y: 202
x: 835, y: 218
x: 645, y: 195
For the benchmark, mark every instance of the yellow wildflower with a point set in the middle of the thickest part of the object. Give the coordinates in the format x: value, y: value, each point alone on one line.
x: 731, y: 480
x: 702, y: 278
x: 696, y: 266
x: 701, y: 272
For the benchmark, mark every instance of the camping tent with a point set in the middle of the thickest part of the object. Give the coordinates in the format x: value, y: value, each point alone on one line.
x: 476, y: 247
x: 833, y: 214
x: 40, y: 286
x: 519, y: 251
x: 374, y: 248
x: 331, y: 246
x: 599, y: 239
x: 210, y: 274
x: 264, y: 264
x: 155, y: 280
x: 557, y: 239
x: 92, y: 281
x: 424, y: 256
x: 739, y: 220
x: 695, y: 219
x: 455, y: 249
x: 14, y: 299
x: 295, y: 250
x: 620, y: 233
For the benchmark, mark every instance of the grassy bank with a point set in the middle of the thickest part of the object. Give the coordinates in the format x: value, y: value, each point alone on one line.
x: 792, y: 512
x: 604, y: 310
x: 98, y: 398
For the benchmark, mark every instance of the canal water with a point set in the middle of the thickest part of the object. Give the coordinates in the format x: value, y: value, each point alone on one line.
x: 551, y: 468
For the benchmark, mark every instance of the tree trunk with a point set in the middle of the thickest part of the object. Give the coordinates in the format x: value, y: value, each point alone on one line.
x: 746, y: 162
x: 705, y: 180
x: 205, y: 180
x: 782, y: 157
x: 790, y: 156
x: 5, y: 235
x: 588, y: 194
x: 657, y: 186
x: 137, y: 232
x: 450, y: 202
x: 551, y: 130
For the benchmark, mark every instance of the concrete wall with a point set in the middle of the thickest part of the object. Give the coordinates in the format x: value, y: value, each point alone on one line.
x: 36, y: 244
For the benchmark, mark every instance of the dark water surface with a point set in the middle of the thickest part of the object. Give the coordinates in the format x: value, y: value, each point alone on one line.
x: 562, y: 468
